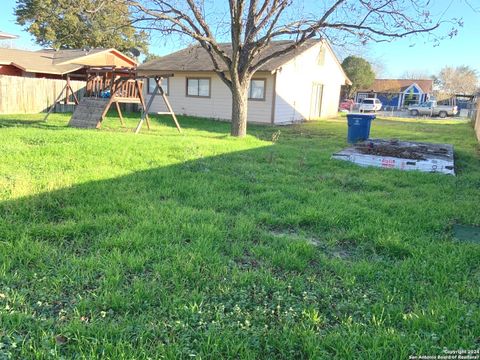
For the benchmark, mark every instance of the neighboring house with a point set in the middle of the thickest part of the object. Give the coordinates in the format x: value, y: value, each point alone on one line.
x: 56, y: 63
x: 398, y: 93
x: 301, y: 85
x: 7, y: 36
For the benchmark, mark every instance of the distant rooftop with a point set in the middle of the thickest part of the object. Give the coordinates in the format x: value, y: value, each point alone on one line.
x: 6, y: 36
x: 399, y: 85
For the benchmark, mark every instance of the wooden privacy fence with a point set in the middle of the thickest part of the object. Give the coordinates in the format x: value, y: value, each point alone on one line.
x: 21, y: 95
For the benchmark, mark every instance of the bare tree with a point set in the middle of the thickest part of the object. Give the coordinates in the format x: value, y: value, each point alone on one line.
x: 252, y: 25
x: 416, y: 75
x: 460, y: 80
x: 379, y: 67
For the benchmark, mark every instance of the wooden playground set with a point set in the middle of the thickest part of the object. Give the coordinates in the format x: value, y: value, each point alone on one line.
x: 107, y: 86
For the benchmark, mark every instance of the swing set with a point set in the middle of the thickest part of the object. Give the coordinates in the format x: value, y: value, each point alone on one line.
x: 110, y: 85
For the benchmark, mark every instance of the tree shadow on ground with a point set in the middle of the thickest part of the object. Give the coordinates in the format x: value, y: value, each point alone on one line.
x: 112, y: 122
x: 103, y: 259
x: 52, y: 122
x: 206, y: 124
x: 12, y: 121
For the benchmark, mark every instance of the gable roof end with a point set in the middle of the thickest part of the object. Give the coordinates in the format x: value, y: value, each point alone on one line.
x: 347, y: 80
x: 77, y: 55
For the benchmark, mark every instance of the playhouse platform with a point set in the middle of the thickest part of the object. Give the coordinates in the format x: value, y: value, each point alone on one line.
x: 403, y: 155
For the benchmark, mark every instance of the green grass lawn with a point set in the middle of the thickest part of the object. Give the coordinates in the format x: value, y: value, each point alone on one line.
x: 167, y: 245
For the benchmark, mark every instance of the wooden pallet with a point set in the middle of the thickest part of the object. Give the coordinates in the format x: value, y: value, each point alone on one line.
x: 88, y: 113
x: 403, y: 155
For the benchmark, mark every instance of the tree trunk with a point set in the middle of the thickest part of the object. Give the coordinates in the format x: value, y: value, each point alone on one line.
x: 239, y: 109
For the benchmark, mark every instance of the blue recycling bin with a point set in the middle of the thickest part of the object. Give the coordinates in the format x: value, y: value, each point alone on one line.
x: 359, y: 127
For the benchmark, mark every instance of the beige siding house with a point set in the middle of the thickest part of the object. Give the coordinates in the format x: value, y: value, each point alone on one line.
x: 299, y: 86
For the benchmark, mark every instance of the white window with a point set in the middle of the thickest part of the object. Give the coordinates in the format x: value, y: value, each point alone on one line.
x: 198, y: 87
x: 152, y: 84
x: 257, y: 89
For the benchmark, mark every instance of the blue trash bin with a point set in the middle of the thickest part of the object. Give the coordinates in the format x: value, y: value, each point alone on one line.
x: 359, y: 127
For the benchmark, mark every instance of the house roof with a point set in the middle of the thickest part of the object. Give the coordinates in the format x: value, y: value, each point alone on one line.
x: 49, y: 61
x: 70, y: 55
x: 399, y: 85
x: 4, y: 35
x: 196, y: 58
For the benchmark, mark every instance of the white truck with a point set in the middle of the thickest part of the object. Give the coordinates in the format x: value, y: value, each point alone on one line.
x: 431, y: 108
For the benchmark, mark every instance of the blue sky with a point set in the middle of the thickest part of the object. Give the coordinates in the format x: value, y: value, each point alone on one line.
x: 396, y: 57
x: 400, y: 56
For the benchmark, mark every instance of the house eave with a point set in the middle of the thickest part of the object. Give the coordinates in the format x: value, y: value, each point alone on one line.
x: 117, y: 53
x: 49, y: 72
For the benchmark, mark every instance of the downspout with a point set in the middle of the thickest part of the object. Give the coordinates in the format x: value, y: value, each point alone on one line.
x: 274, y: 96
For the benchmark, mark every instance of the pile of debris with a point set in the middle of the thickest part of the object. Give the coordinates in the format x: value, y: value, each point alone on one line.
x: 403, y: 155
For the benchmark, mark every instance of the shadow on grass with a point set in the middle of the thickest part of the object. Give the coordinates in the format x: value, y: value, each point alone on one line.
x: 140, y: 248
x: 112, y: 121
x: 53, y: 121
x: 9, y: 121
x: 210, y: 125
